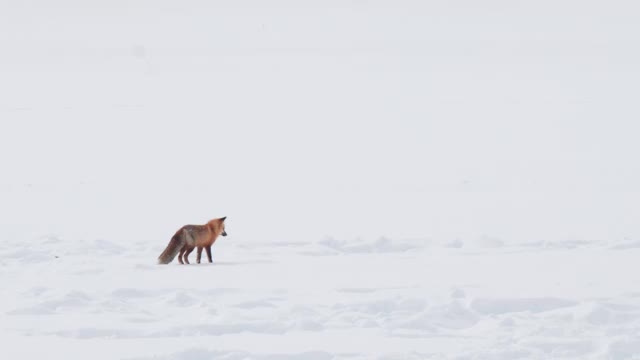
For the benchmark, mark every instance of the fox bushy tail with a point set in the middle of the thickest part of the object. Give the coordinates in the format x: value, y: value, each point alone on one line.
x: 172, y: 249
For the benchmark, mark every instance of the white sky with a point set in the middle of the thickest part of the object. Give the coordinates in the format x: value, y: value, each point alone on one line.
x: 446, y: 119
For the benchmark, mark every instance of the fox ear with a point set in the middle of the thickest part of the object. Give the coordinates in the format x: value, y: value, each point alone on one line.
x: 222, y: 219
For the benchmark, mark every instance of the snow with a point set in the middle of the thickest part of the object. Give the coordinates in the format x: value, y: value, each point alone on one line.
x: 262, y: 300
x: 402, y: 180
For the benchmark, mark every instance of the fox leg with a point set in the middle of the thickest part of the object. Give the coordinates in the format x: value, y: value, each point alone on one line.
x: 199, y: 254
x: 209, y: 253
x: 180, y: 255
x: 186, y: 255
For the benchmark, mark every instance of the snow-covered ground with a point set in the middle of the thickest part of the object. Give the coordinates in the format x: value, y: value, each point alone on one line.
x: 485, y: 153
x: 382, y: 299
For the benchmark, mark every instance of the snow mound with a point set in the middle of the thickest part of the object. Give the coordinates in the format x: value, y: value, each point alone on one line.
x: 380, y: 245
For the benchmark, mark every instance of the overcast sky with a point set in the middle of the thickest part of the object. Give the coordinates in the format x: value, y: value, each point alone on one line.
x: 442, y: 119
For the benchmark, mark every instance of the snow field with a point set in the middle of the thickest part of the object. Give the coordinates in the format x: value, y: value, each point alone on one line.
x: 332, y: 299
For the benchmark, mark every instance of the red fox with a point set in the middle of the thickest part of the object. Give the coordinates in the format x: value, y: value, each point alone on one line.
x: 190, y: 237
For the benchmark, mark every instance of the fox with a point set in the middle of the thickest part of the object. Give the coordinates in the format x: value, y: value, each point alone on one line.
x: 189, y: 237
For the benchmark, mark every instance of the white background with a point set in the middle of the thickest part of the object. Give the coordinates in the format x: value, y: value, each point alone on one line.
x: 298, y: 120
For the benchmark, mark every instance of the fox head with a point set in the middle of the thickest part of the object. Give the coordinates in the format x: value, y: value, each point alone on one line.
x: 217, y: 225
x: 224, y: 232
